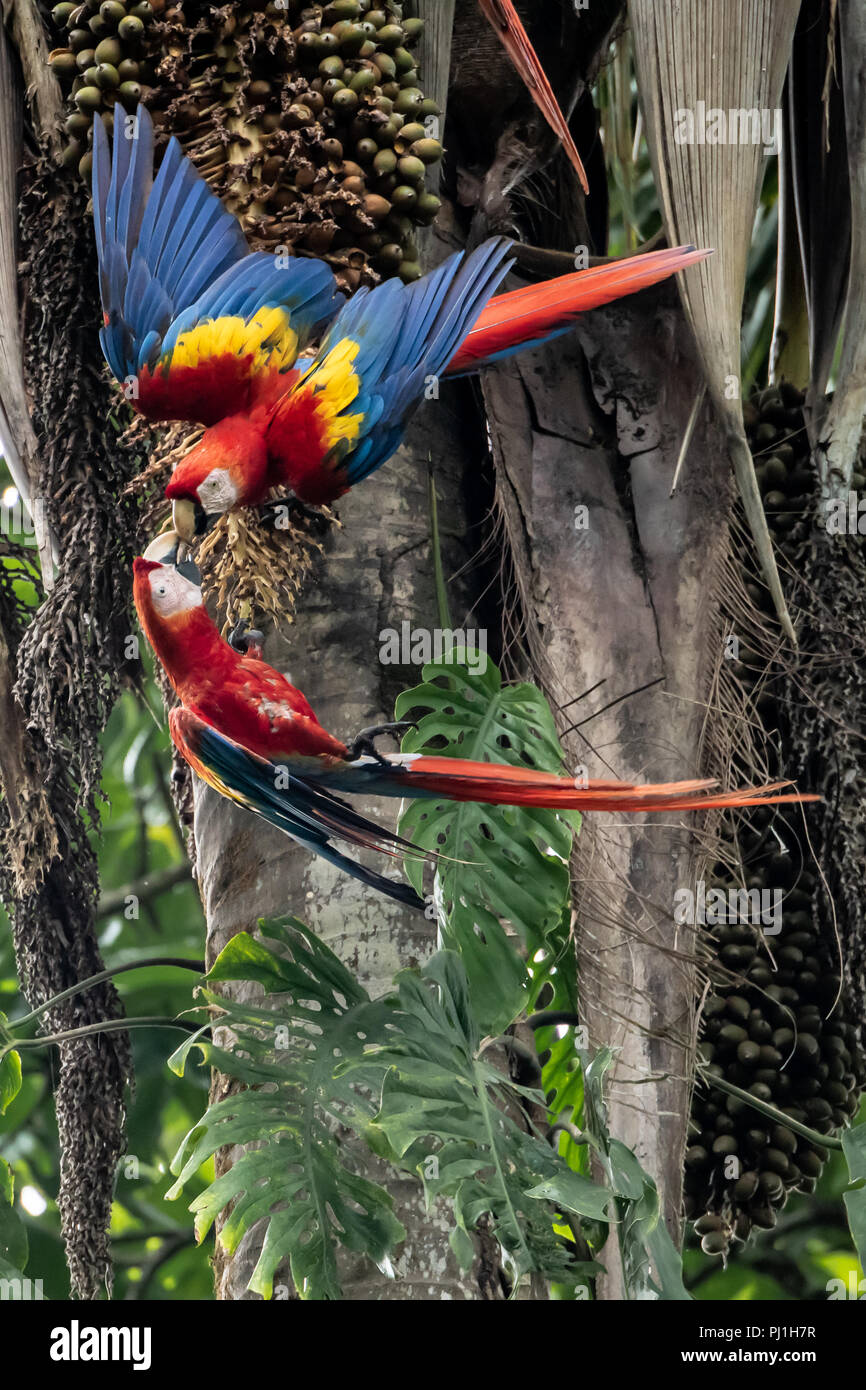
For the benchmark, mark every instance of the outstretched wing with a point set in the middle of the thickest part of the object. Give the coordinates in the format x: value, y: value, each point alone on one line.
x: 347, y: 413
x: 311, y: 816
x: 191, y: 316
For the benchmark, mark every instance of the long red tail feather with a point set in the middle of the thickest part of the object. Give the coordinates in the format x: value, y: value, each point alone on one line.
x: 507, y: 23
x: 498, y: 784
x: 536, y: 311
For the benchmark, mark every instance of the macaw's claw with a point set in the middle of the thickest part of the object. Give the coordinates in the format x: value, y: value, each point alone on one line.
x: 363, y: 744
x: 282, y: 511
x: 245, y: 639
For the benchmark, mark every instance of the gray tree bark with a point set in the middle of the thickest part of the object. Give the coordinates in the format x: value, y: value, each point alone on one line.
x: 377, y: 570
x: 628, y: 600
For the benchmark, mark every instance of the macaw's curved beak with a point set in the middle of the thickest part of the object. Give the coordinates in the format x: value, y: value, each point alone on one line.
x: 168, y: 548
x: 190, y: 518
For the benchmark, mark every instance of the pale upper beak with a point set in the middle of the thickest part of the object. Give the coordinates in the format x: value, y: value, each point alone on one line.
x: 190, y: 519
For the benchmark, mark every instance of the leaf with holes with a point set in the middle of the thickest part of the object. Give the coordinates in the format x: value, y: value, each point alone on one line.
x: 457, y: 1120
x: 500, y: 864
x: 307, y: 1044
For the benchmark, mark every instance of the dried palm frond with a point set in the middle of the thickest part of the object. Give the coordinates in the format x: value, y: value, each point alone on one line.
x: 840, y: 435
x: 693, y: 60
x: 815, y: 135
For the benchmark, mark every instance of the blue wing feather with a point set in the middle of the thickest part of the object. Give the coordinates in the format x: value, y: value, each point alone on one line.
x: 310, y: 815
x: 171, y: 256
x: 406, y: 334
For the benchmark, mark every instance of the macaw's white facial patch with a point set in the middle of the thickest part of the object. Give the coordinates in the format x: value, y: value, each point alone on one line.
x: 172, y: 593
x: 217, y: 493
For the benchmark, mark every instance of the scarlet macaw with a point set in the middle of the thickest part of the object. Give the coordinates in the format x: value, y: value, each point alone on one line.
x: 508, y: 25
x: 250, y: 734
x: 204, y: 330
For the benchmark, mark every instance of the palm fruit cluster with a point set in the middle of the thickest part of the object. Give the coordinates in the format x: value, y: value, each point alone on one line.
x: 308, y: 120
x: 103, y: 59
x: 773, y: 1022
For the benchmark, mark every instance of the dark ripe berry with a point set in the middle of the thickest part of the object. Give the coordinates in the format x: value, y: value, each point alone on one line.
x: 746, y: 1186
x: 760, y: 1030
x: 128, y: 71
x: 710, y: 1221
x: 79, y: 38
x: 748, y: 1053
x: 756, y: 1139
x: 84, y: 59
x: 85, y: 166
x: 142, y: 11
x: 771, y: 1185
x: 732, y: 1034
x: 715, y: 1243
x: 784, y: 1139
x: 775, y: 1161
x: 738, y: 1007
x: 696, y: 1157
x: 763, y: 1216
x: 725, y: 1144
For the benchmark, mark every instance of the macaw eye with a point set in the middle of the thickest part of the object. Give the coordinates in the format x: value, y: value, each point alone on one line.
x: 161, y: 589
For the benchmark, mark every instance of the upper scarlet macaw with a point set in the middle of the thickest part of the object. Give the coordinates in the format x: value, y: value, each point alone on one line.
x: 204, y: 330
x: 251, y: 735
x: 508, y: 25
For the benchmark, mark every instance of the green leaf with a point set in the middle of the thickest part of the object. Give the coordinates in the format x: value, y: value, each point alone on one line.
x: 13, y: 1233
x: 10, y: 1079
x: 854, y: 1149
x: 308, y: 1045
x: 499, y: 863
x: 448, y: 1114
x: 573, y: 1192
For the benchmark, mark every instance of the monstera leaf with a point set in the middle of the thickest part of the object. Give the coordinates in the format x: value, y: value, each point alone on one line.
x: 498, y: 864
x: 310, y: 1047
x: 457, y: 1120
x: 407, y: 1074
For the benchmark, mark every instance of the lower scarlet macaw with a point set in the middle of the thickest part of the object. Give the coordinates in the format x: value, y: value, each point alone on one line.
x: 250, y: 734
x: 201, y: 329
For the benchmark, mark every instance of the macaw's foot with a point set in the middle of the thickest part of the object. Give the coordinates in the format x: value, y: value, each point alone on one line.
x: 246, y: 640
x: 282, y: 512
x: 363, y: 744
